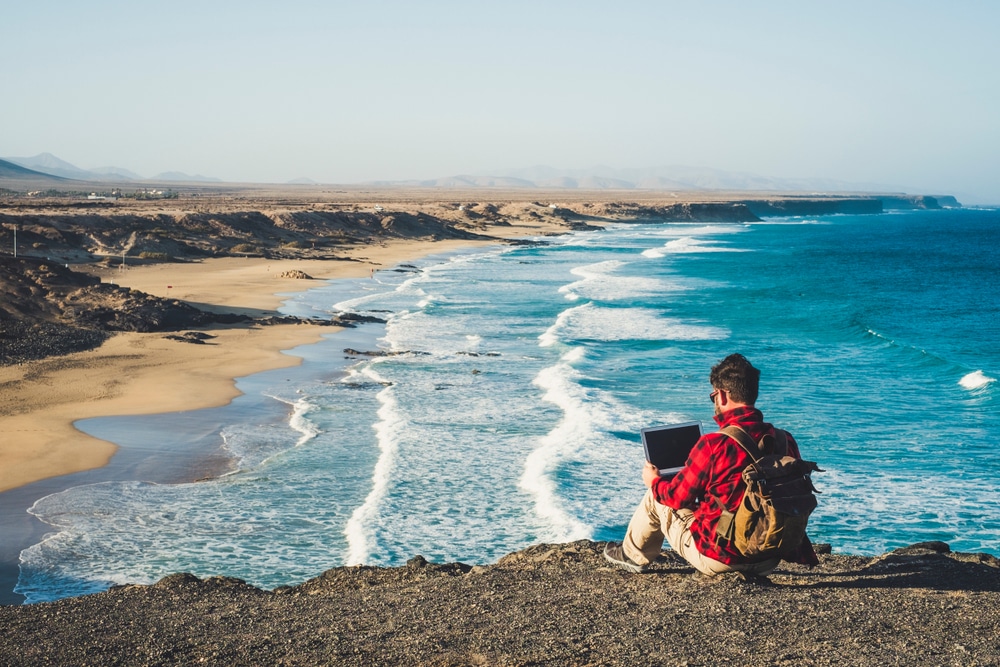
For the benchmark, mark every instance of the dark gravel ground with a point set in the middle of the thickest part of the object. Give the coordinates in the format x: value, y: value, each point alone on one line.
x: 547, y: 605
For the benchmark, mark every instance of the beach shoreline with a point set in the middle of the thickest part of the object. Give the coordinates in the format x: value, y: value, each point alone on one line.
x: 148, y: 373
x: 153, y: 373
x: 135, y: 374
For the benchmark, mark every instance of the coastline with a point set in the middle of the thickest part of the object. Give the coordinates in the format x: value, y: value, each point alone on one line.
x: 147, y: 373
x: 134, y: 374
x: 248, y: 286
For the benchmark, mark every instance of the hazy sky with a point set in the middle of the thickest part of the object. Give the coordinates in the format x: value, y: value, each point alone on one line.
x: 904, y: 93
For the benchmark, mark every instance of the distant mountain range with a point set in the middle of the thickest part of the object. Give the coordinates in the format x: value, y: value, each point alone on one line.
x: 15, y: 171
x: 666, y: 178
x: 47, y: 163
x: 679, y: 178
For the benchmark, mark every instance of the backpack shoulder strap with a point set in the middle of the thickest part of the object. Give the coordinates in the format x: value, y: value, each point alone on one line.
x: 780, y: 442
x: 742, y: 439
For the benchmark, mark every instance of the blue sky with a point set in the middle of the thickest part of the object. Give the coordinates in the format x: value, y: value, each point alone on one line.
x: 898, y: 93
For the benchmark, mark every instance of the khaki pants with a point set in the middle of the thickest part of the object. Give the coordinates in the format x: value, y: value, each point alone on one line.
x: 653, y: 521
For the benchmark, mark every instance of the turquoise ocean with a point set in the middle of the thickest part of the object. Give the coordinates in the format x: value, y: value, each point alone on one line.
x: 508, y: 409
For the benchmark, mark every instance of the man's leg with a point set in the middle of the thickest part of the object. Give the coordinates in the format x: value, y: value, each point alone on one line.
x: 652, y: 523
x: 644, y: 537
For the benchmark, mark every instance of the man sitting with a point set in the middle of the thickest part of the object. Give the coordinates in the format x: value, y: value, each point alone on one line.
x: 686, y: 508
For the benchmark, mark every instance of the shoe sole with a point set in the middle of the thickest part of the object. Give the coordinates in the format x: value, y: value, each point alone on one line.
x: 631, y: 567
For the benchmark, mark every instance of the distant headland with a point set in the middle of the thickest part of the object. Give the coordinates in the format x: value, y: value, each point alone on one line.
x: 42, y: 234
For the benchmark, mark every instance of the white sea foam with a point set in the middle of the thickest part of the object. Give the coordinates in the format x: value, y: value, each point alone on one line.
x: 600, y: 282
x: 551, y: 335
x: 573, y: 473
x: 562, y: 442
x: 976, y: 380
x: 252, y: 444
x: 590, y: 322
x: 669, y: 231
x: 690, y: 244
x: 922, y: 506
x: 404, y: 295
x: 359, y: 530
x: 428, y: 333
x: 301, y: 423
x: 793, y: 221
x: 683, y: 230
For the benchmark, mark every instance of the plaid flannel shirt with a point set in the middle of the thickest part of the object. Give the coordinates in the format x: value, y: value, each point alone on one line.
x: 713, y: 472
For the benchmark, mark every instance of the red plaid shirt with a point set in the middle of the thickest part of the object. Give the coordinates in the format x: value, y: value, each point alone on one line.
x: 713, y: 472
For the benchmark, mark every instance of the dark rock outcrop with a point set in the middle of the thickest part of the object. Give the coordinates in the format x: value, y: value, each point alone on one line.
x: 809, y: 206
x: 46, y: 309
x: 912, y: 202
x: 81, y: 235
x: 546, y: 605
x: 679, y: 212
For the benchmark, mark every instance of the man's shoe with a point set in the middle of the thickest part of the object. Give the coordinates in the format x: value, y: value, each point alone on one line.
x: 613, y: 553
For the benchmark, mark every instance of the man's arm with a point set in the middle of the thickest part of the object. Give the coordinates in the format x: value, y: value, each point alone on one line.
x: 686, y: 488
x: 650, y: 473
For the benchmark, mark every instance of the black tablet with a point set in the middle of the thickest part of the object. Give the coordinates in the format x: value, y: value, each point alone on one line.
x: 667, y: 447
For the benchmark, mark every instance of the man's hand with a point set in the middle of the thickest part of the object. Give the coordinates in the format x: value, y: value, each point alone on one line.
x: 649, y: 474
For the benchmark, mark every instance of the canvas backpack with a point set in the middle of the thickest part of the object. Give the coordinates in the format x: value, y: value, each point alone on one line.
x: 772, y: 516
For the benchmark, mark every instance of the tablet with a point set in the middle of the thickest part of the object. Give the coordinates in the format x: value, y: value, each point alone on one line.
x: 667, y: 447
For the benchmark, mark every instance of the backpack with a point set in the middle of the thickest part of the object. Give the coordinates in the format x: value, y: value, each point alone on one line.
x: 772, y: 516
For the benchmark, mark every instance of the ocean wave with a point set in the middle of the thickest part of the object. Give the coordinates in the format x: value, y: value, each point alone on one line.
x: 591, y: 322
x: 385, y: 295
x: 251, y: 445
x: 551, y: 335
x: 915, y: 510
x: 574, y: 473
x: 360, y: 529
x: 301, y: 423
x: 600, y: 283
x: 917, y: 356
x: 690, y: 244
x: 564, y: 443
x: 428, y: 333
x: 976, y: 380
x: 789, y: 221
x: 674, y: 230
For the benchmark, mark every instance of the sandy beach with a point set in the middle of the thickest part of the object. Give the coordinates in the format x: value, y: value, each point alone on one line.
x: 140, y: 373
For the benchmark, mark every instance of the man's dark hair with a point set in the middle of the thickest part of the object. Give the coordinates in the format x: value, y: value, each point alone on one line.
x: 737, y: 377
